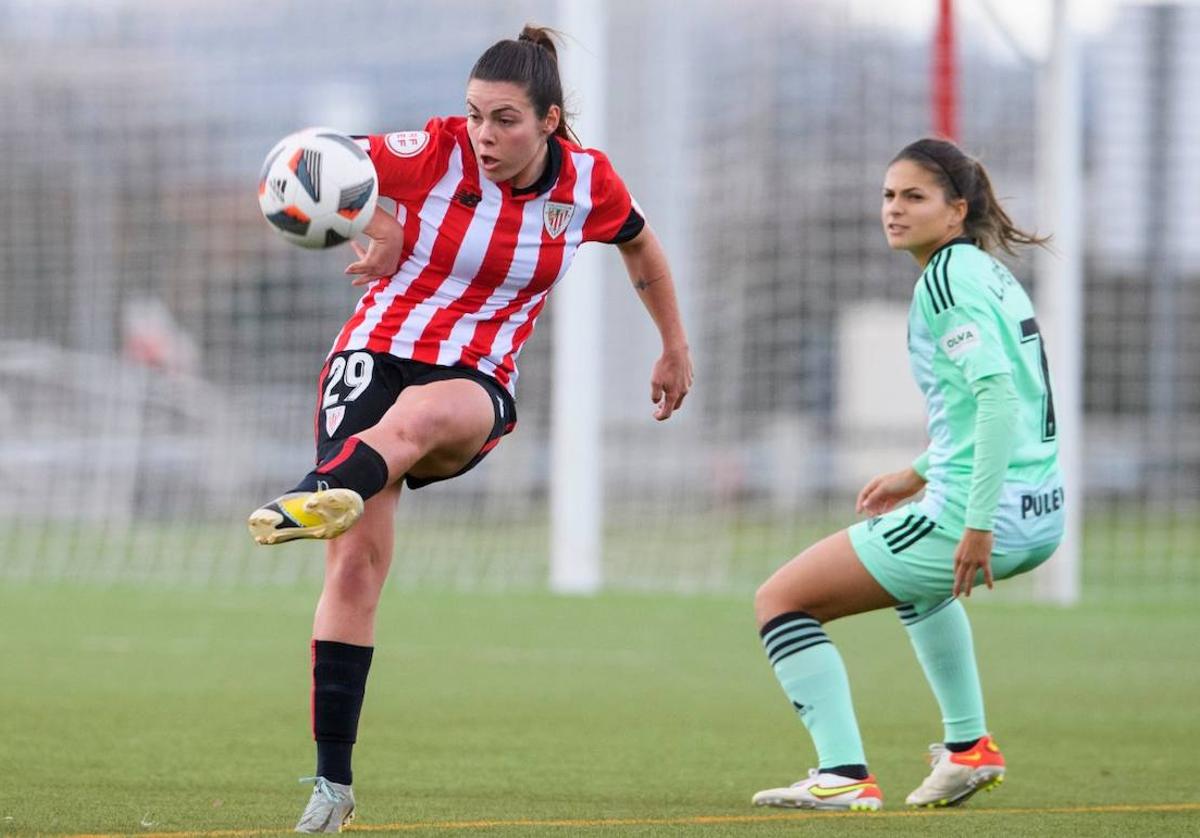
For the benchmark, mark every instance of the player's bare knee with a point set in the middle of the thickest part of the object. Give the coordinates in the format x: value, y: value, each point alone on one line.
x: 401, y: 440
x: 357, y: 563
x: 416, y: 432
x: 356, y: 579
x: 771, y: 600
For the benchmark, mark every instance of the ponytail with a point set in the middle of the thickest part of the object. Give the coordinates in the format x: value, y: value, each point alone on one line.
x: 961, y: 176
x: 530, y: 61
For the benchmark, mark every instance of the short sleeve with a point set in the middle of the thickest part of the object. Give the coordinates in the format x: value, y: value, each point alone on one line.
x: 409, y: 163
x: 964, y: 323
x: 615, y: 217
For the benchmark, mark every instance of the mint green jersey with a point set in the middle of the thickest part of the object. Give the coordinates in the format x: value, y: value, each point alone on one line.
x: 971, y: 319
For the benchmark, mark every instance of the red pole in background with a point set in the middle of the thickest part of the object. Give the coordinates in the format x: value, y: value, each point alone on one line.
x: 945, y: 74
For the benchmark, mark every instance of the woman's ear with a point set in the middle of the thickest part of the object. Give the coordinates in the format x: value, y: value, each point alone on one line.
x: 552, y: 120
x: 959, y: 205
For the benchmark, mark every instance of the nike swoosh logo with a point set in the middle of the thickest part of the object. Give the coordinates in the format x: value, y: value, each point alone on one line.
x: 822, y: 791
x: 968, y: 757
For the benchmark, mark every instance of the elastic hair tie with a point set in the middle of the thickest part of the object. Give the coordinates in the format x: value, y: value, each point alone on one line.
x: 943, y: 169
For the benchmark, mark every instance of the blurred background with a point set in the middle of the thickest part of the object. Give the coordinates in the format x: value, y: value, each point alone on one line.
x: 159, y: 345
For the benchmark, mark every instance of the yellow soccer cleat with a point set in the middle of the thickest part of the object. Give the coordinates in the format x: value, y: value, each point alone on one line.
x: 324, y: 514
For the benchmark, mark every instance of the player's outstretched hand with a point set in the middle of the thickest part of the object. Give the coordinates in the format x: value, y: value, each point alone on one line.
x: 974, y: 553
x: 670, y: 381
x: 884, y: 491
x: 381, y: 259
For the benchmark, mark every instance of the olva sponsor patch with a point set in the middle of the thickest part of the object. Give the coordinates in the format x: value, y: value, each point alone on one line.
x: 960, y: 340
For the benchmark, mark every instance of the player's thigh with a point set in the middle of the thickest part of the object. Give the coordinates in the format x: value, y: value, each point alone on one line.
x: 910, y: 554
x: 447, y: 421
x: 827, y: 581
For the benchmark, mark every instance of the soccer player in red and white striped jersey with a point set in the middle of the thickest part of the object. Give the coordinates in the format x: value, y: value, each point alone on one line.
x: 480, y: 257
x: 419, y: 382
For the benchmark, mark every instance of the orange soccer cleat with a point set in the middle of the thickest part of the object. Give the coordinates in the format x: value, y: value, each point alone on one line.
x: 957, y: 776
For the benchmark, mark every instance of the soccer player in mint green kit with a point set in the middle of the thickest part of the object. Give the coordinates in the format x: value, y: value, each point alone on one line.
x: 992, y: 504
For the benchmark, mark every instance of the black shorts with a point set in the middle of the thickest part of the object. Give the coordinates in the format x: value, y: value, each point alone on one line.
x: 358, y: 386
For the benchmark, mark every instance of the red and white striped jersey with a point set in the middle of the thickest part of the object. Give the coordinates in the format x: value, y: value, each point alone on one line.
x: 479, y: 257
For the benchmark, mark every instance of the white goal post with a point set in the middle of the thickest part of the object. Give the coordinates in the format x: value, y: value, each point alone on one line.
x: 1060, y: 287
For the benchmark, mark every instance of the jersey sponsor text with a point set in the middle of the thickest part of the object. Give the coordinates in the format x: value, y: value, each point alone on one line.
x: 961, y: 340
x: 1042, y: 503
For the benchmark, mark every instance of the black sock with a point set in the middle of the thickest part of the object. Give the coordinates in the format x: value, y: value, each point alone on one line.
x: 339, y: 682
x: 355, y: 466
x: 959, y: 747
x: 333, y: 761
x: 854, y: 772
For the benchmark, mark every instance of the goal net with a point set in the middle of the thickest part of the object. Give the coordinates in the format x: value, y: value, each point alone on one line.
x: 159, y: 345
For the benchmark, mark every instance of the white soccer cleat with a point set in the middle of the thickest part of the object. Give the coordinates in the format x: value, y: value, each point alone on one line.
x: 329, y: 809
x: 957, y: 776
x: 827, y: 792
x: 324, y: 514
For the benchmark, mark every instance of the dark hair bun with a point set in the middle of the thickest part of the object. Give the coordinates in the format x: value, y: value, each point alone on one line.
x: 540, y: 35
x: 530, y: 61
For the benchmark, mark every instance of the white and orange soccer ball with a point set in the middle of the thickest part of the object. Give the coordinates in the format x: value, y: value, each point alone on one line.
x: 318, y: 188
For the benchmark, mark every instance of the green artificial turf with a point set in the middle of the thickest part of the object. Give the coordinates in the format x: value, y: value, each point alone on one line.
x: 142, y: 711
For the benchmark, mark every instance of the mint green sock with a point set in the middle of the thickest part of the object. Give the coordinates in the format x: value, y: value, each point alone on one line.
x: 813, y: 677
x: 942, y: 640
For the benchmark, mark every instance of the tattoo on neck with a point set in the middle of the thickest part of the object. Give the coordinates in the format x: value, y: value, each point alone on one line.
x: 643, y: 284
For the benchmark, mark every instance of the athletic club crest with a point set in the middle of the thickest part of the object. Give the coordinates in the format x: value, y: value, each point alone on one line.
x: 333, y: 418
x: 557, y: 216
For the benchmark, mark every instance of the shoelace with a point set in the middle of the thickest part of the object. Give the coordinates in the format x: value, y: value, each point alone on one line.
x: 320, y: 784
x: 936, y: 751
x: 812, y: 772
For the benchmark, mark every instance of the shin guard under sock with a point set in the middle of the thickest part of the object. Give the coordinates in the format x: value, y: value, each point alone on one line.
x: 339, y: 683
x: 813, y: 677
x: 355, y: 466
x: 941, y: 637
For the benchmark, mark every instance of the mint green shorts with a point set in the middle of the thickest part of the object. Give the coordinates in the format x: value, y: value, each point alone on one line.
x: 912, y: 556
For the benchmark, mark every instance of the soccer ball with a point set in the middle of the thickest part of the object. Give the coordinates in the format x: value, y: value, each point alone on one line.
x: 318, y: 188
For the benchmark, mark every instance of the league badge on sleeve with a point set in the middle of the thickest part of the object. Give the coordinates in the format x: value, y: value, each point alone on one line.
x: 406, y: 143
x: 557, y: 216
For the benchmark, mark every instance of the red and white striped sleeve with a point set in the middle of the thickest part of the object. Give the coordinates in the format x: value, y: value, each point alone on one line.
x: 615, y: 217
x: 409, y: 163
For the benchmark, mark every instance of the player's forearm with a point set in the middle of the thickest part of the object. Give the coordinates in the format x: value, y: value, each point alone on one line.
x: 921, y: 465
x: 659, y: 299
x: 650, y: 274
x: 383, y: 225
x: 995, y: 416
